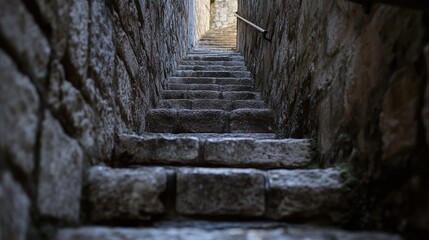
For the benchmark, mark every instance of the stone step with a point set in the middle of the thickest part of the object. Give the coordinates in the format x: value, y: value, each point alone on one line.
x: 207, y: 48
x: 211, y: 68
x: 227, y: 105
x: 217, y: 42
x: 222, y: 35
x: 205, y: 136
x: 212, y: 87
x: 210, y: 80
x: 241, y: 152
x: 219, y: 46
x: 210, y: 121
x: 232, y: 74
x: 136, y: 194
x: 202, y: 52
x: 205, y: 94
x: 198, y: 57
x: 227, y: 35
x: 216, y: 63
x: 219, y: 36
x: 216, y: 231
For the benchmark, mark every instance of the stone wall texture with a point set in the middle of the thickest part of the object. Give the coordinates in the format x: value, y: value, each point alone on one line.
x: 222, y: 14
x: 74, y: 74
x: 199, y: 19
x: 354, y: 82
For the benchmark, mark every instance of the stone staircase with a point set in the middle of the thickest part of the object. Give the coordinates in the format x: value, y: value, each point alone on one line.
x: 211, y: 167
x: 218, y: 40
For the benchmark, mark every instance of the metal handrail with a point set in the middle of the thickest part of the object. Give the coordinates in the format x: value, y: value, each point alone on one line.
x: 264, y: 32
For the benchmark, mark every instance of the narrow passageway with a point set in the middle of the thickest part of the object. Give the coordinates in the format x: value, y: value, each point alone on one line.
x: 174, y: 119
x: 210, y: 165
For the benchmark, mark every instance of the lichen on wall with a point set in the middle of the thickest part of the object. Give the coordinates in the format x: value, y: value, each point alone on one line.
x: 353, y: 82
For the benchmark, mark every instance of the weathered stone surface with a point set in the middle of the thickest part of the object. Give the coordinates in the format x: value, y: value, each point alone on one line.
x: 204, y: 94
x: 27, y: 41
x: 101, y: 46
x: 199, y: 20
x: 205, y: 136
x: 218, y: 58
x: 202, y: 121
x: 60, y: 175
x: 222, y: 14
x: 212, y: 87
x: 234, y: 233
x: 211, y: 80
x: 54, y: 13
x: 289, y: 153
x: 14, y: 208
x: 227, y: 105
x: 190, y: 73
x: 214, y: 63
x: 78, y: 38
x: 182, y: 121
x: 19, y: 103
x: 398, y: 122
x: 199, y: 94
x: 425, y: 113
x: 252, y: 120
x: 303, y: 193
x: 325, y: 74
x: 211, y: 68
x: 77, y: 117
x: 126, y: 52
x: 157, y: 149
x: 161, y: 120
x: 123, y: 95
x: 125, y: 194
x: 216, y: 192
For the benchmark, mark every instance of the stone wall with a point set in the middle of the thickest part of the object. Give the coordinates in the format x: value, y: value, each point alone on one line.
x: 354, y: 82
x: 73, y: 75
x: 199, y: 19
x: 222, y: 14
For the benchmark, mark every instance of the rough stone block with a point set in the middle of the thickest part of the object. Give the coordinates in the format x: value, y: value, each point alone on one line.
x: 77, y: 116
x: 215, y: 192
x: 78, y: 38
x: 398, y: 123
x: 252, y: 120
x: 200, y: 121
x: 101, y: 46
x: 289, y: 153
x: 175, y: 103
x: 239, y: 95
x: 162, y: 120
x: 213, y: 63
x: 191, y: 73
x: 213, y: 58
x: 214, y: 232
x: 303, y: 193
x: 203, y: 94
x: 14, y: 209
x: 157, y: 149
x: 60, y: 174
x: 26, y: 41
x: 248, y: 104
x: 19, y: 104
x: 125, y: 194
x: 212, y: 104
